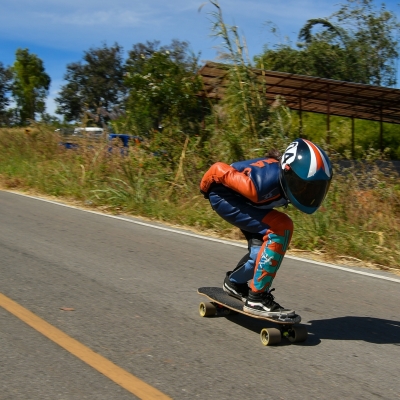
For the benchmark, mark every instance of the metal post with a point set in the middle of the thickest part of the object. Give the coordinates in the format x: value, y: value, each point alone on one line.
x: 300, y: 118
x: 352, y: 138
x: 328, y: 117
x: 381, y: 130
x: 203, y: 119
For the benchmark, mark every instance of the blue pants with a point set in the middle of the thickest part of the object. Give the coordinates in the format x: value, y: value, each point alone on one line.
x: 267, y: 231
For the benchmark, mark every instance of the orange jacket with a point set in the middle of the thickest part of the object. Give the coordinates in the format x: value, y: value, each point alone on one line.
x: 257, y: 179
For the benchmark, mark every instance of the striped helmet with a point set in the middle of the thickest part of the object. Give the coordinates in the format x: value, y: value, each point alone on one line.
x: 306, y: 174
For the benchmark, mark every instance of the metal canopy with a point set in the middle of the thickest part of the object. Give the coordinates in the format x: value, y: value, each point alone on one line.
x: 318, y: 95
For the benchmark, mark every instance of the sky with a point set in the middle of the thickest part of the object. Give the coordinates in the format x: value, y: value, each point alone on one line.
x: 59, y: 31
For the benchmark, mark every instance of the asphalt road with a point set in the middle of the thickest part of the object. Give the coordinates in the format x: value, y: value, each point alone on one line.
x: 132, y: 289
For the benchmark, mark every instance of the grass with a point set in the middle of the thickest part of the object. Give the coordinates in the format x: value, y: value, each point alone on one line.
x: 359, y: 220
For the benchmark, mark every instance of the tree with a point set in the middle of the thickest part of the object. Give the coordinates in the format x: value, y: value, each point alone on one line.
x: 162, y: 85
x: 371, y: 41
x: 5, y: 88
x: 357, y: 44
x: 30, y: 86
x: 94, y: 86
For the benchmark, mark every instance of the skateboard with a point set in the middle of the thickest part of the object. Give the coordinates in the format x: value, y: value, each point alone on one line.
x: 223, y: 304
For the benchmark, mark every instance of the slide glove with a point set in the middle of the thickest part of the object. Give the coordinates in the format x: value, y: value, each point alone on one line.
x: 205, y: 194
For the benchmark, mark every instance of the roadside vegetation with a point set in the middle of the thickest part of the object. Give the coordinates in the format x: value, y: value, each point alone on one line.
x: 154, y: 95
x: 359, y: 220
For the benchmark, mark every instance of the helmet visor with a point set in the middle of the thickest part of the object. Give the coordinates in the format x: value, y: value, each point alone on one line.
x: 307, y: 193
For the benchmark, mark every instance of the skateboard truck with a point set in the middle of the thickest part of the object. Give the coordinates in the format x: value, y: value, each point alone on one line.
x: 223, y: 304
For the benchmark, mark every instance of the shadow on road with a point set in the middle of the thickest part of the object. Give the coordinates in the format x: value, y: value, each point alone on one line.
x: 368, y: 329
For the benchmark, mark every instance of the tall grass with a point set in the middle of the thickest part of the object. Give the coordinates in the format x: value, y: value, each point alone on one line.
x: 360, y: 218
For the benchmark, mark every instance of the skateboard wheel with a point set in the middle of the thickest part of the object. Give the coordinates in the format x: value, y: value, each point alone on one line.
x: 297, y: 334
x: 270, y: 336
x: 207, y: 309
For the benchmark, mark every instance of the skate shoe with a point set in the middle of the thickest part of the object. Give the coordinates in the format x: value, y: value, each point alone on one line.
x: 263, y: 304
x: 238, y: 290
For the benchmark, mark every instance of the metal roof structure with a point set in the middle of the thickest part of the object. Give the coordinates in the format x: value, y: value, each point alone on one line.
x: 312, y: 94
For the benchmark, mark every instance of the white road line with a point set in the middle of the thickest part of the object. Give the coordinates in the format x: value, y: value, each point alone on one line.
x: 227, y: 242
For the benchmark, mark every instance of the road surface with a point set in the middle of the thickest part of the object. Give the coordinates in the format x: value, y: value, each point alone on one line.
x: 98, y: 307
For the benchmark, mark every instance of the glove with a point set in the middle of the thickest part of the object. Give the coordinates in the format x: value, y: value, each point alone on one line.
x: 205, y: 194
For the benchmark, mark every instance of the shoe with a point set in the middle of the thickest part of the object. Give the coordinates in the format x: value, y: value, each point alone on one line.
x: 238, y: 290
x: 263, y: 304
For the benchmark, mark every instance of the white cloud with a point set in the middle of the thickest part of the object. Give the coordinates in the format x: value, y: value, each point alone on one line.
x: 66, y: 25
x: 72, y: 24
x: 89, y: 18
x: 20, y: 12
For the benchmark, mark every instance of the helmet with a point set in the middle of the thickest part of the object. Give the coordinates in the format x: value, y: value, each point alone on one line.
x: 306, y: 174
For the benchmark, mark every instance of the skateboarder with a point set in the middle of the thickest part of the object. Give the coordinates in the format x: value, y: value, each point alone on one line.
x: 246, y: 194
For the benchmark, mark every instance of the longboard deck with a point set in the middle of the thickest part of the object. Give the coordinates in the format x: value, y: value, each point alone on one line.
x: 219, y: 296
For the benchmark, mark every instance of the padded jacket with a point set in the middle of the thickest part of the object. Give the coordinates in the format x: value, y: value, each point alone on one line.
x: 257, y: 180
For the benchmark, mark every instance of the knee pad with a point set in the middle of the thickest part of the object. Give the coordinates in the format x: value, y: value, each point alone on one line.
x: 279, y: 223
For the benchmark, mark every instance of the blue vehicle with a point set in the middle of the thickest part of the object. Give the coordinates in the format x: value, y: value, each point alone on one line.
x: 124, y: 141
x: 127, y: 140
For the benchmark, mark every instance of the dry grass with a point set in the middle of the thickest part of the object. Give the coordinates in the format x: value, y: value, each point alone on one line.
x: 358, y: 223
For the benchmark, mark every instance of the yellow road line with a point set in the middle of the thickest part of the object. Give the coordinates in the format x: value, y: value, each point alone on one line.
x: 96, y: 361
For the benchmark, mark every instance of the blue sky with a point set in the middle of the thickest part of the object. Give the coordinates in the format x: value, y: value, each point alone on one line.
x: 59, y: 31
